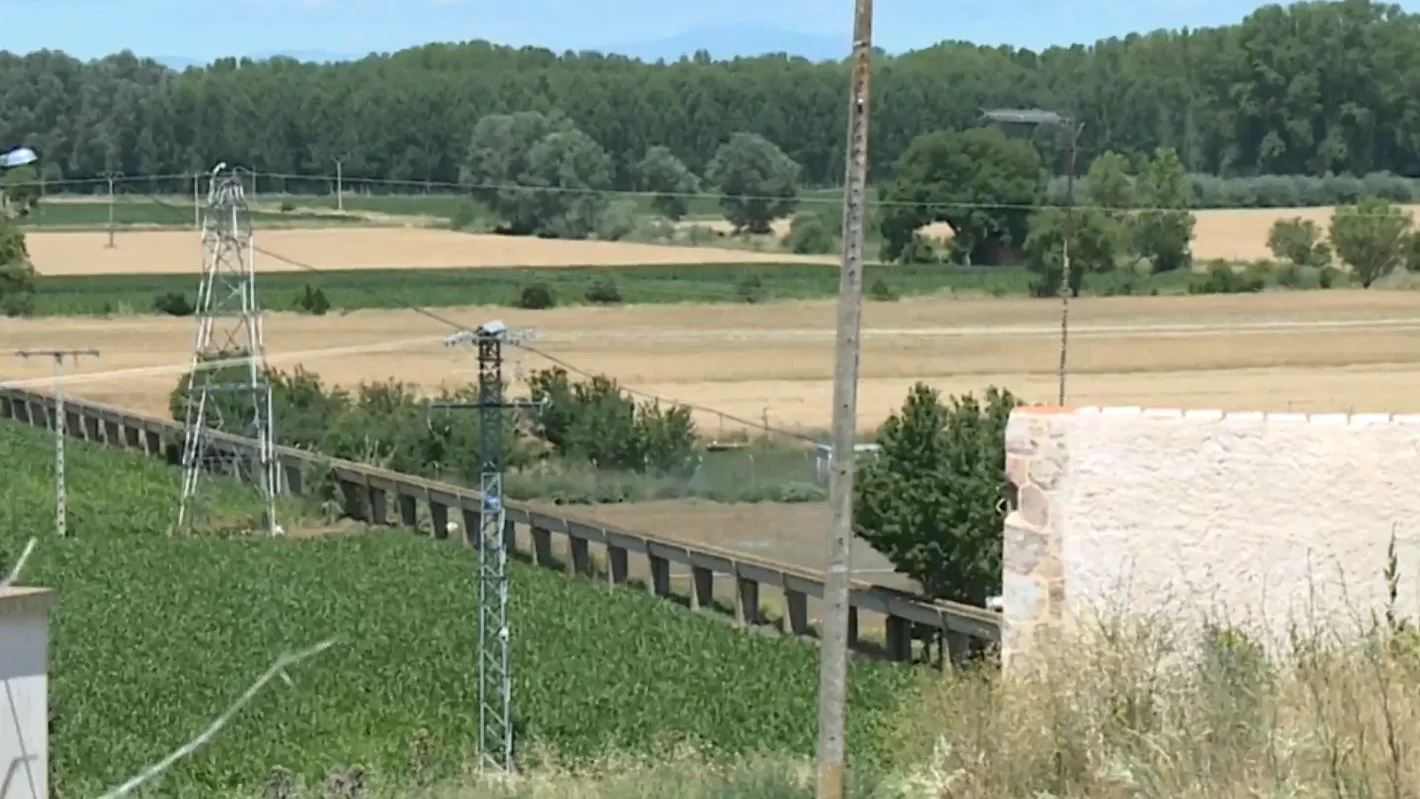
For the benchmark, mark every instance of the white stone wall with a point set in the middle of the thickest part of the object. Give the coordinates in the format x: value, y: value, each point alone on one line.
x: 24, y: 686
x: 1261, y: 521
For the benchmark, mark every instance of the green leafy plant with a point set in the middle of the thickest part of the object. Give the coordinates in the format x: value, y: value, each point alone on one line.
x: 931, y: 499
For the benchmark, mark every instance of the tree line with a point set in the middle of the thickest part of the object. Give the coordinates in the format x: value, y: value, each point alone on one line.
x: 1313, y: 88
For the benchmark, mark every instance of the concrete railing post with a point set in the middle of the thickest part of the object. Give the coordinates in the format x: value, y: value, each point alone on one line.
x: 24, y: 702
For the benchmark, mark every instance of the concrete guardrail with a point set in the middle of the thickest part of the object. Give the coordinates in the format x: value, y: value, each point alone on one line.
x: 366, y: 494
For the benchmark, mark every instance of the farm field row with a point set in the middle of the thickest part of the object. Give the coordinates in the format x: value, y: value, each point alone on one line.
x: 1226, y: 234
x: 126, y: 295
x: 149, y: 252
x: 598, y: 670
x: 1314, y: 351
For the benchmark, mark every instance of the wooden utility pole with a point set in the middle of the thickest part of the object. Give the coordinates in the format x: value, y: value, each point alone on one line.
x: 61, y: 493
x: 833, y: 655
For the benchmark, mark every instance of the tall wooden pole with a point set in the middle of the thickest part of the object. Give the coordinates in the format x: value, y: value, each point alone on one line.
x: 833, y: 666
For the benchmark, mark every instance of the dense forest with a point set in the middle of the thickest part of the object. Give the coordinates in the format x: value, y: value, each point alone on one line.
x: 1307, y: 89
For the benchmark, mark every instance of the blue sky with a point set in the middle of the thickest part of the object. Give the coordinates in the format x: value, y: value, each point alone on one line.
x: 203, y: 29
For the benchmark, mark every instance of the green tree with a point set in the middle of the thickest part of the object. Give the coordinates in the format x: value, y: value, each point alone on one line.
x: 1299, y: 241
x: 572, y: 172
x: 1163, y: 231
x: 932, y: 498
x: 538, y: 174
x: 1094, y: 246
x: 22, y: 189
x: 1372, y: 237
x: 659, y: 171
x: 1108, y: 183
x: 757, y: 182
x: 17, y: 274
x: 979, y: 181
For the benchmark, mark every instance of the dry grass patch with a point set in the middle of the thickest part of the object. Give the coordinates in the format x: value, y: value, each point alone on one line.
x: 178, y: 252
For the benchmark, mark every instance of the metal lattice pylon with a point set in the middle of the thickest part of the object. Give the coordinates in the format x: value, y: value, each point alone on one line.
x: 495, y: 680
x: 228, y: 375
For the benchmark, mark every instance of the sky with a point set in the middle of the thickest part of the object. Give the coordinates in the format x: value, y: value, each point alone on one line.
x: 202, y: 30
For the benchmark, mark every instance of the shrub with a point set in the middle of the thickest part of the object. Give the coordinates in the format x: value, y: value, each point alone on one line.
x: 881, y: 291
x: 1299, y: 241
x: 749, y: 289
x: 603, y: 292
x: 463, y: 216
x: 173, y: 303
x: 287, y: 206
x: 1223, y: 279
x: 1289, y: 276
x: 809, y: 235
x: 1329, y: 276
x: 312, y: 301
x: 617, y: 220
x: 536, y: 297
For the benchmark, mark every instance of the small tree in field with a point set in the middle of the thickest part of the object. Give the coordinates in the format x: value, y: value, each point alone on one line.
x: 931, y: 501
x: 1372, y: 237
x: 1299, y: 241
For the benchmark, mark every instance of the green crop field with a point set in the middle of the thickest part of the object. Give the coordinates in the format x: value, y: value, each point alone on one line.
x: 154, y: 636
x: 398, y: 288
x: 130, y: 212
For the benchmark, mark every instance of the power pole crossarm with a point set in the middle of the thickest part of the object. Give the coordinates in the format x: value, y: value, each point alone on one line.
x: 833, y: 655
x: 61, y: 489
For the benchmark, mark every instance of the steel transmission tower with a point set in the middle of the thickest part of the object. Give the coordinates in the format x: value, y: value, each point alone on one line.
x: 495, y: 679
x: 228, y: 375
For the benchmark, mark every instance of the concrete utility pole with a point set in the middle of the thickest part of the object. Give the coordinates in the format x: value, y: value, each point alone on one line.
x: 339, y: 185
x: 110, y: 176
x: 833, y: 656
x: 61, y: 493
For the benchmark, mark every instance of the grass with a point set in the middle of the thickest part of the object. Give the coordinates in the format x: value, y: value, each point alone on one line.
x: 598, y: 670
x: 142, y: 213
x: 98, y: 295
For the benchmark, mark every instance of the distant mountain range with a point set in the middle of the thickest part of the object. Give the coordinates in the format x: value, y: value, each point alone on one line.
x: 721, y: 41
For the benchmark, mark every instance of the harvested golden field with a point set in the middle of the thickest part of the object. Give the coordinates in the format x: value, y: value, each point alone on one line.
x: 180, y: 252
x: 1313, y: 351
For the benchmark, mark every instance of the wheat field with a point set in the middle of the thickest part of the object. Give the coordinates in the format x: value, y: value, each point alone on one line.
x: 1305, y: 351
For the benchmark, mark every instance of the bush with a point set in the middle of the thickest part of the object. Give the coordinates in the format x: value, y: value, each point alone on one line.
x: 537, y: 297
x: 617, y: 220
x: 1223, y: 279
x: 809, y: 235
x: 312, y: 301
x: 598, y: 422
x: 1330, y: 276
x: 881, y: 291
x: 287, y: 206
x: 1299, y: 241
x: 464, y: 215
x: 603, y: 292
x: 1289, y: 276
x: 749, y: 289
x: 173, y: 304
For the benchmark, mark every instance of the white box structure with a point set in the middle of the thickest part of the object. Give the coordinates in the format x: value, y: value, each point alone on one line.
x: 24, y: 692
x: 1260, y: 521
